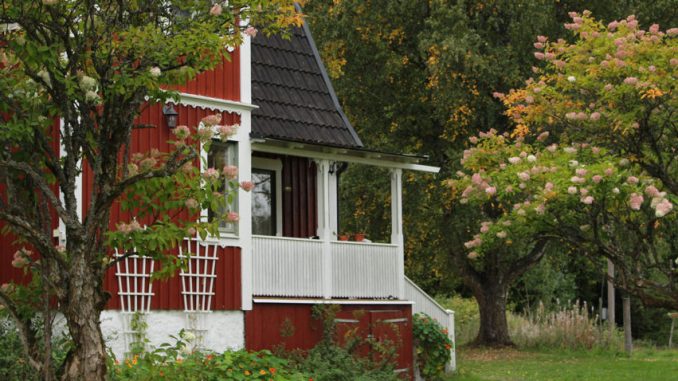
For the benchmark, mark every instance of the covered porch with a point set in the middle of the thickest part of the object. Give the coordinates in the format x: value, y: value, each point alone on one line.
x: 318, y: 265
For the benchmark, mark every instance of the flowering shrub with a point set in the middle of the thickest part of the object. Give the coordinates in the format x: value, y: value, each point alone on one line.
x: 591, y: 160
x: 432, y: 346
x: 179, y: 362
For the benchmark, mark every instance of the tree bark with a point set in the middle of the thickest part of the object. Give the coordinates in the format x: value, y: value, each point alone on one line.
x: 82, y: 309
x: 493, y: 330
x: 628, y: 337
x: 610, y: 296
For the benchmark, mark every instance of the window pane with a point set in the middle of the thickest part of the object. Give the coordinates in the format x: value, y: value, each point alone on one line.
x: 220, y: 155
x: 263, y: 202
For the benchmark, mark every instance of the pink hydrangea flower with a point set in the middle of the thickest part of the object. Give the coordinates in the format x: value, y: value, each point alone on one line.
x: 652, y: 191
x: 597, y: 179
x: 552, y: 148
x: 577, y: 180
x: 211, y: 120
x: 523, y: 176
x: 467, y: 192
x: 191, y: 203
x: 595, y: 150
x: 502, y: 234
x: 190, y: 231
x: 181, y: 132
x: 473, y: 139
x: 588, y: 200
x: 632, y: 180
x: 630, y: 80
x: 247, y: 186
x: 548, y: 186
x: 21, y: 258
x: 538, y: 45
x: 251, y: 31
x: 211, y: 173
x: 472, y: 255
x: 543, y: 136
x: 581, y: 172
x: 230, y: 172
x: 147, y: 164
x: 216, y: 10
x: 635, y: 201
x: 595, y: 116
x: 663, y: 208
x: 583, y: 191
x: 225, y: 132
x: 514, y: 160
x: 672, y: 32
x: 539, y: 55
x: 542, y: 39
x: 233, y: 217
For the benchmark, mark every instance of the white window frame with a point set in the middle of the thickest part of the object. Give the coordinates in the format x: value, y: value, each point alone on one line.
x: 204, y: 214
x: 274, y: 165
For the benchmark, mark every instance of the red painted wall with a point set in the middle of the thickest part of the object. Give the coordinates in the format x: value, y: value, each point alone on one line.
x: 167, y: 293
x: 8, y: 244
x: 222, y: 82
x: 300, y: 216
x: 292, y: 326
x: 227, y: 287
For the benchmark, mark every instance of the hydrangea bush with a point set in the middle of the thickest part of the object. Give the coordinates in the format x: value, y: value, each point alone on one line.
x: 592, y: 159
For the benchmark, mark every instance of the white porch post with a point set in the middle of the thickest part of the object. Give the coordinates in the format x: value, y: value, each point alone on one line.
x: 397, y: 226
x: 324, y: 225
x: 245, y: 171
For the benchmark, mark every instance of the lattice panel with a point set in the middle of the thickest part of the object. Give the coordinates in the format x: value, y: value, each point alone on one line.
x: 198, y: 276
x: 135, y: 288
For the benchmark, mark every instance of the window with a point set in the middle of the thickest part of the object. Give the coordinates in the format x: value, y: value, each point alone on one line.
x: 220, y: 155
x: 266, y: 196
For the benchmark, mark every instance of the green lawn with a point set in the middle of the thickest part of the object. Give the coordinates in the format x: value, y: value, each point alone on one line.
x: 514, y: 365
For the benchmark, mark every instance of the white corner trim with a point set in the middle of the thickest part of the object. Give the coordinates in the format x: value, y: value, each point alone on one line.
x: 210, y: 103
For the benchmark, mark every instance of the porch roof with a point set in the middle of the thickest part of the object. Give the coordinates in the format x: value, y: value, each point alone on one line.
x: 343, y: 154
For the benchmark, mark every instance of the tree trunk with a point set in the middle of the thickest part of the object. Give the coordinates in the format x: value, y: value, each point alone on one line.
x: 82, y: 309
x: 493, y: 330
x: 628, y: 337
x: 610, y: 297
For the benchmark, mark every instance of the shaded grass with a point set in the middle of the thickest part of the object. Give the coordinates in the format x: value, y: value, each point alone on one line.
x: 515, y: 365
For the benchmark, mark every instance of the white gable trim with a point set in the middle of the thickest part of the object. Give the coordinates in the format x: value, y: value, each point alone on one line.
x: 210, y: 103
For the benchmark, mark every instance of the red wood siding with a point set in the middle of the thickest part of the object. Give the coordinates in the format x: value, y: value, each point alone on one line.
x: 222, y: 82
x: 168, y: 293
x: 300, y: 210
x: 145, y: 139
x: 8, y: 245
x: 292, y: 326
x: 227, y: 287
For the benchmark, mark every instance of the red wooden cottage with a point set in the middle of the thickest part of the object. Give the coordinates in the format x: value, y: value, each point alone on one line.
x: 255, y: 286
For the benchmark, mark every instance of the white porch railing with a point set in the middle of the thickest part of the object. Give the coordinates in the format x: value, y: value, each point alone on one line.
x: 294, y: 267
x: 364, y: 270
x: 426, y: 304
x: 290, y: 267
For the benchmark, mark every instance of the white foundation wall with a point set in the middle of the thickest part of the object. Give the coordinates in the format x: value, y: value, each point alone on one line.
x: 223, y: 330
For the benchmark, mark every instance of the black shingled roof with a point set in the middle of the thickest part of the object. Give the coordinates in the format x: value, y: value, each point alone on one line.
x: 294, y: 94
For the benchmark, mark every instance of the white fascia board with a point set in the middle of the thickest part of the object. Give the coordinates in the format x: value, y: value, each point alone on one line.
x: 210, y: 103
x: 332, y: 301
x: 345, y: 158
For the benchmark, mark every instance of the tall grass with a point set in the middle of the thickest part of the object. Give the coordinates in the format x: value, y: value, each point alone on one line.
x: 569, y: 326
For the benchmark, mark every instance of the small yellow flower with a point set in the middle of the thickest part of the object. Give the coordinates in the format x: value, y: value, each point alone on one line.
x: 262, y: 372
x: 247, y: 373
x: 652, y: 94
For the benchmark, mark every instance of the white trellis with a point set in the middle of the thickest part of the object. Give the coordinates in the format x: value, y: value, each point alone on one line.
x: 198, y: 276
x: 135, y: 290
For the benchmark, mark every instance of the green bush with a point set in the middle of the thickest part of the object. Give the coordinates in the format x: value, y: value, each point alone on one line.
x: 433, y: 346
x: 466, y: 317
x: 178, y: 362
